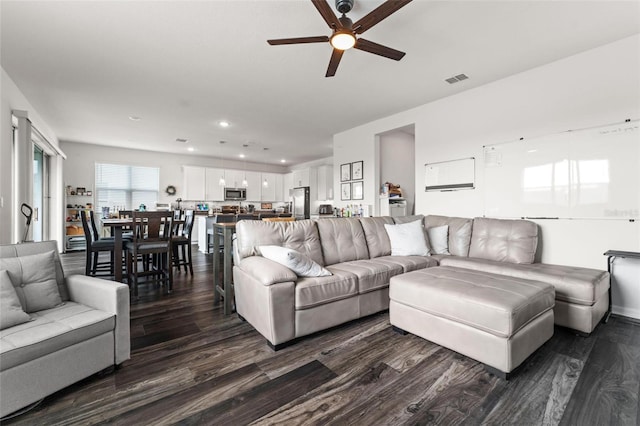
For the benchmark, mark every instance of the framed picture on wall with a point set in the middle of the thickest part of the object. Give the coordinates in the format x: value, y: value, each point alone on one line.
x: 345, y: 172
x: 356, y: 170
x: 345, y: 191
x: 357, y: 190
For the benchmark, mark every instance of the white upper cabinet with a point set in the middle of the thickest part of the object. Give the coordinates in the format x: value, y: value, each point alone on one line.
x: 268, y: 187
x: 325, y: 183
x: 254, y: 188
x: 214, y: 192
x: 287, y: 186
x: 233, y: 178
x: 301, y: 177
x: 194, y: 183
x: 279, y: 186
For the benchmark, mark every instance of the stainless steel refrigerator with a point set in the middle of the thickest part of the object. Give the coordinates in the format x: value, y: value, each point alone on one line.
x: 301, y: 203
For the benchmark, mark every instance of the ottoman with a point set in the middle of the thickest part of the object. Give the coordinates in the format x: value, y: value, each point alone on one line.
x: 491, y: 318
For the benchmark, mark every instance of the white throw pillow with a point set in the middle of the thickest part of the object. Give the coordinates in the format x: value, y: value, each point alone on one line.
x: 302, y: 265
x: 11, y: 312
x: 407, y: 239
x: 439, y: 239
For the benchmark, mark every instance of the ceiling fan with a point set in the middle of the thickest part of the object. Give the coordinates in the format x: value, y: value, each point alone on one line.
x: 345, y: 31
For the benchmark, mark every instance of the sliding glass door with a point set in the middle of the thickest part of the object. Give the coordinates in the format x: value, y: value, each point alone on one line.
x: 40, y: 203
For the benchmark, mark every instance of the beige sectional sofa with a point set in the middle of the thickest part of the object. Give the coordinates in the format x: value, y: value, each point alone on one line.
x: 56, y: 330
x: 283, y: 306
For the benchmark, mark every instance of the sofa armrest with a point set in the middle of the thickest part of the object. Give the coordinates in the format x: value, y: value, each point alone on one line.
x: 266, y: 271
x: 106, y: 296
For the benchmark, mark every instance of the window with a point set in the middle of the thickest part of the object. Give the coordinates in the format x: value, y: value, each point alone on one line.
x: 123, y: 187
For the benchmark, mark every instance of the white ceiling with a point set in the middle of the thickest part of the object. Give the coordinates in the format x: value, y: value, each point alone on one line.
x: 182, y: 66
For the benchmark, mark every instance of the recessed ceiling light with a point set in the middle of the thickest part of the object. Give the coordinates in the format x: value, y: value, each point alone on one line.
x: 191, y: 149
x: 134, y: 118
x: 283, y: 161
x: 242, y: 155
x: 223, y: 123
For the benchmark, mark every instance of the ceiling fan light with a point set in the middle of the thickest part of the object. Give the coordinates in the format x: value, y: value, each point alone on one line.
x: 342, y: 40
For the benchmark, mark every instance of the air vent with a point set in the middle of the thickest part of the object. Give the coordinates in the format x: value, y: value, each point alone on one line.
x: 182, y: 140
x: 457, y: 78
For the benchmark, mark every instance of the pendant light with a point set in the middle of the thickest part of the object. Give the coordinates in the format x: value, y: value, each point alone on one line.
x: 265, y: 183
x: 222, y: 182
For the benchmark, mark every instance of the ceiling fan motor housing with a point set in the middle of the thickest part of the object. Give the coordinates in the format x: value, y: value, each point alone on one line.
x: 344, y: 6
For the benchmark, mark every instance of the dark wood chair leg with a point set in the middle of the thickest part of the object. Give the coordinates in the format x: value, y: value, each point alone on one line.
x: 190, y: 259
x: 87, y: 267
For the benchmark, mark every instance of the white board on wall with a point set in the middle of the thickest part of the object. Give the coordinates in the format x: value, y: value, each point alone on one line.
x: 450, y: 175
x: 582, y: 174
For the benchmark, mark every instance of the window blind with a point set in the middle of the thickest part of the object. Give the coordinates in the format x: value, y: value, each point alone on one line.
x: 124, y: 187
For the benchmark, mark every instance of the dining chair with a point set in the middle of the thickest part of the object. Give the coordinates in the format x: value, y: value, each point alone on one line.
x: 181, y: 243
x: 93, y: 266
x: 151, y: 242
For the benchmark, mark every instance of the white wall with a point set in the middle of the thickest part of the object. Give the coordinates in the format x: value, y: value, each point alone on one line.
x: 79, y: 168
x: 595, y: 87
x: 397, y: 153
x: 11, y: 221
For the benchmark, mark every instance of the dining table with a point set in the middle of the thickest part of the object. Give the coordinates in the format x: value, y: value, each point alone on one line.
x: 117, y: 225
x: 222, y: 271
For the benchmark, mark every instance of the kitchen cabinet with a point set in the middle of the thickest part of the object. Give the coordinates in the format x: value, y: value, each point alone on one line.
x: 233, y: 178
x: 301, y: 177
x: 213, y: 190
x: 194, y: 183
x: 268, y: 187
x: 254, y: 188
x: 279, y: 186
x: 287, y: 187
x: 325, y: 182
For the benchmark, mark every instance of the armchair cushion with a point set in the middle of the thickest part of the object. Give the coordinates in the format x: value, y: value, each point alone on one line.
x: 11, y: 312
x: 50, y: 331
x: 34, y: 279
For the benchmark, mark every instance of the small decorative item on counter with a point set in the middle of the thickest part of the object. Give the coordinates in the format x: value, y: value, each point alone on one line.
x: 142, y: 208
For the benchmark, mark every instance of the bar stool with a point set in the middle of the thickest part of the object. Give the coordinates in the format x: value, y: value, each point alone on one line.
x: 181, y: 242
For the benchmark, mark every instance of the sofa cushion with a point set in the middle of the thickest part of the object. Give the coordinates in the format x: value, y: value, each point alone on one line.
x: 297, y: 262
x: 376, y: 236
x: 300, y: 235
x: 407, y: 239
x: 312, y: 292
x: 11, y: 312
x: 342, y: 240
x: 34, y: 278
x: 504, y: 240
x: 459, y: 232
x: 409, y: 263
x: 50, y: 331
x: 372, y: 275
x: 581, y: 286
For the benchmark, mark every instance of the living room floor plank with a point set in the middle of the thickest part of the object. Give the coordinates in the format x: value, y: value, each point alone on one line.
x: 191, y: 364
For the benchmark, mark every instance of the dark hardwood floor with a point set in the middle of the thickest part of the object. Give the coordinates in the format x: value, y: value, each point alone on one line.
x: 192, y: 365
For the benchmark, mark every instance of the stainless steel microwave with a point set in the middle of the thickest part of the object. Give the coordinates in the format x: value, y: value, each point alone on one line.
x: 235, y: 194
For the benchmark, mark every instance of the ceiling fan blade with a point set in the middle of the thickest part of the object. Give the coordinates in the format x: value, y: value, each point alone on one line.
x: 378, y: 49
x: 327, y: 14
x: 334, y: 62
x: 378, y: 14
x: 298, y: 40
